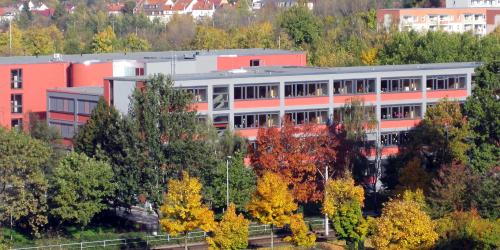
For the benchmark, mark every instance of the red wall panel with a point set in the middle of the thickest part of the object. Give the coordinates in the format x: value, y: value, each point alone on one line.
x: 400, y: 96
x: 37, y: 78
x: 346, y: 98
x: 438, y: 94
x: 236, y: 62
x: 62, y: 116
x: 90, y: 74
x: 256, y: 103
x: 399, y: 123
x: 306, y: 101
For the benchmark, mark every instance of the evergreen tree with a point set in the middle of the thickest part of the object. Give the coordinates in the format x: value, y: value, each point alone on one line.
x: 109, y: 137
x: 482, y: 109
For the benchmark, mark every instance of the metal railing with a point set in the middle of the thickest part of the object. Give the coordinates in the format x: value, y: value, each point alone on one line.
x: 154, y: 240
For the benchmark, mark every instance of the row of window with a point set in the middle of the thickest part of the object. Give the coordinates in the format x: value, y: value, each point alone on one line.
x: 400, y: 112
x: 67, y: 130
x: 65, y: 105
x: 393, y: 138
x: 340, y: 87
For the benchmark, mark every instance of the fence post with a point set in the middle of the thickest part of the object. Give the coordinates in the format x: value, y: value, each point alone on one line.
x: 81, y: 245
x: 168, y: 237
x: 104, y: 243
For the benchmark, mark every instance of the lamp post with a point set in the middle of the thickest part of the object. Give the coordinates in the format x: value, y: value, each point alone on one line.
x: 227, y: 181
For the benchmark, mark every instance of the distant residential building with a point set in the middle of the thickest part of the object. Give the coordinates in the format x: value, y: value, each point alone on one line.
x: 479, y: 21
x: 472, y: 3
x: 258, y: 4
x: 7, y: 13
x: 115, y: 8
x: 163, y: 10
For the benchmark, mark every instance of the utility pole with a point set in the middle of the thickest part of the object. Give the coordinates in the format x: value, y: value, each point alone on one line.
x: 10, y: 35
x: 327, y: 229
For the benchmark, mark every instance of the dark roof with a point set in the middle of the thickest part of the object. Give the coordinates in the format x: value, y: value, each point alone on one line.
x: 297, y: 70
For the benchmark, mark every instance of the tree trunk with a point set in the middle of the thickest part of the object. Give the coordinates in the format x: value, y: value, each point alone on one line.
x: 272, y: 237
x: 185, y: 241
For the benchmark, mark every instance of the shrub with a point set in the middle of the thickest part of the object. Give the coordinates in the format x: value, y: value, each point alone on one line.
x: 300, y: 232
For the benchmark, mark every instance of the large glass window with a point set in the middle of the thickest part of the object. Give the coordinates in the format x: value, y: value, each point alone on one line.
x: 16, y: 103
x: 400, y: 84
x: 221, y: 98
x: 220, y: 122
x: 86, y: 107
x: 340, y: 114
x: 356, y: 86
x: 61, y: 105
x: 256, y: 120
x: 306, y: 89
x: 199, y: 94
x: 16, y: 78
x: 446, y: 82
x: 307, y: 116
x: 400, y: 112
x: 267, y: 91
x: 66, y: 130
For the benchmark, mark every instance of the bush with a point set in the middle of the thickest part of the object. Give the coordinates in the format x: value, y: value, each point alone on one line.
x: 300, y: 232
x: 467, y: 230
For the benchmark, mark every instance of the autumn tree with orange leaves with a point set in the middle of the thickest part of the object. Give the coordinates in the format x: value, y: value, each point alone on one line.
x: 299, y: 154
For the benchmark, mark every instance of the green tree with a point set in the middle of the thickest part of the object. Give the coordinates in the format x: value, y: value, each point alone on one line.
x: 242, y: 181
x: 104, y: 41
x: 342, y: 203
x: 182, y: 210
x: 108, y: 137
x: 23, y: 185
x: 42, y: 41
x: 231, y: 232
x: 481, y: 109
x: 272, y: 203
x: 17, y: 45
x: 79, y: 188
x: 134, y: 43
x: 301, y: 25
x: 210, y: 38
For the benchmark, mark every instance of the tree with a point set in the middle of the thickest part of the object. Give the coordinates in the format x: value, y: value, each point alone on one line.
x: 231, y: 232
x: 104, y: 41
x: 342, y: 203
x: 39, y: 129
x: 272, y: 203
x: 480, y: 109
x: 108, y: 137
x: 42, y: 41
x: 208, y: 38
x: 414, y: 176
x: 23, y: 185
x: 300, y: 23
x: 486, y: 197
x: 403, y: 225
x: 17, y: 45
x: 79, y: 188
x: 242, y: 181
x: 301, y: 236
x: 451, y: 189
x: 134, y: 43
x: 182, y: 210
x: 283, y: 152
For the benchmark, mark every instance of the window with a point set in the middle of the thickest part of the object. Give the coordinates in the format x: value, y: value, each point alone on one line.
x: 16, y: 123
x: 340, y: 114
x: 306, y: 89
x: 139, y: 71
x: 446, y: 82
x: 394, y: 138
x: 16, y: 78
x: 357, y: 86
x: 202, y: 119
x: 257, y: 120
x: 220, y: 98
x: 254, y: 63
x: 66, y: 130
x: 61, y: 105
x: 16, y: 103
x: 86, y: 107
x: 400, y: 112
x: 221, y: 122
x: 307, y: 116
x: 199, y: 94
x: 402, y: 84
x: 266, y: 91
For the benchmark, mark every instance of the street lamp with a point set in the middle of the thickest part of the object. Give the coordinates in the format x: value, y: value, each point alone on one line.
x: 227, y: 180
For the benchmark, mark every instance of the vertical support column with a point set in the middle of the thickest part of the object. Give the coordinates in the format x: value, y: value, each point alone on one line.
x: 210, y: 101
x: 424, y: 95
x: 282, y: 99
x: 468, y: 84
x: 330, y: 99
x: 230, y: 92
x: 378, y: 103
x: 75, y: 113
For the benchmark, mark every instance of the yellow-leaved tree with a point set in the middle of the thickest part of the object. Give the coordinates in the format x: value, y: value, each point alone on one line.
x: 104, y: 41
x: 272, y: 202
x: 301, y: 236
x: 404, y: 224
x: 342, y: 203
x: 231, y: 232
x: 182, y: 210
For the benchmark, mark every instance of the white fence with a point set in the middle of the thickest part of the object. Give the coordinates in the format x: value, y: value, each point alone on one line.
x: 165, y: 239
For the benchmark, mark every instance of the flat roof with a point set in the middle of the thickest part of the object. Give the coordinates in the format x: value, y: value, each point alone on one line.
x: 143, y: 56
x: 80, y: 90
x: 298, y: 70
